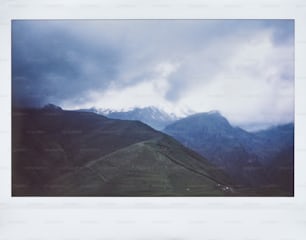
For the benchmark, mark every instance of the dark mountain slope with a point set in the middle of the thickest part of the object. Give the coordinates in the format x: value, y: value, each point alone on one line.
x: 281, y: 169
x: 58, y: 152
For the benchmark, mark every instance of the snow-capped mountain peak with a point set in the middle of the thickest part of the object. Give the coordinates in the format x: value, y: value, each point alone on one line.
x: 151, y: 115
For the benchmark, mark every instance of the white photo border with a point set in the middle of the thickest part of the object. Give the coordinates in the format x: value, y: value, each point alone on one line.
x: 145, y: 217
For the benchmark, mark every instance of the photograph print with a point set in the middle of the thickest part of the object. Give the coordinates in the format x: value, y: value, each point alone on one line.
x: 153, y: 108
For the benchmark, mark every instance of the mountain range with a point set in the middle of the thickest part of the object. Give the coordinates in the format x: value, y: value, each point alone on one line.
x: 83, y: 153
x: 72, y: 153
x: 251, y: 158
x: 152, y: 116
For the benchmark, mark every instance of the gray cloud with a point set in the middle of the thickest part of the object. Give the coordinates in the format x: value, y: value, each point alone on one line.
x: 50, y: 64
x: 185, y: 63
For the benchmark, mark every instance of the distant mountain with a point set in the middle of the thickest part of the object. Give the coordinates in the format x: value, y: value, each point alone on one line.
x: 51, y: 107
x: 152, y: 116
x: 211, y: 135
x: 70, y: 153
x: 277, y: 138
x: 245, y: 156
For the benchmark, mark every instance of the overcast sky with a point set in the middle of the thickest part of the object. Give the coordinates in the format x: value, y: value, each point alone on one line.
x: 243, y: 68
